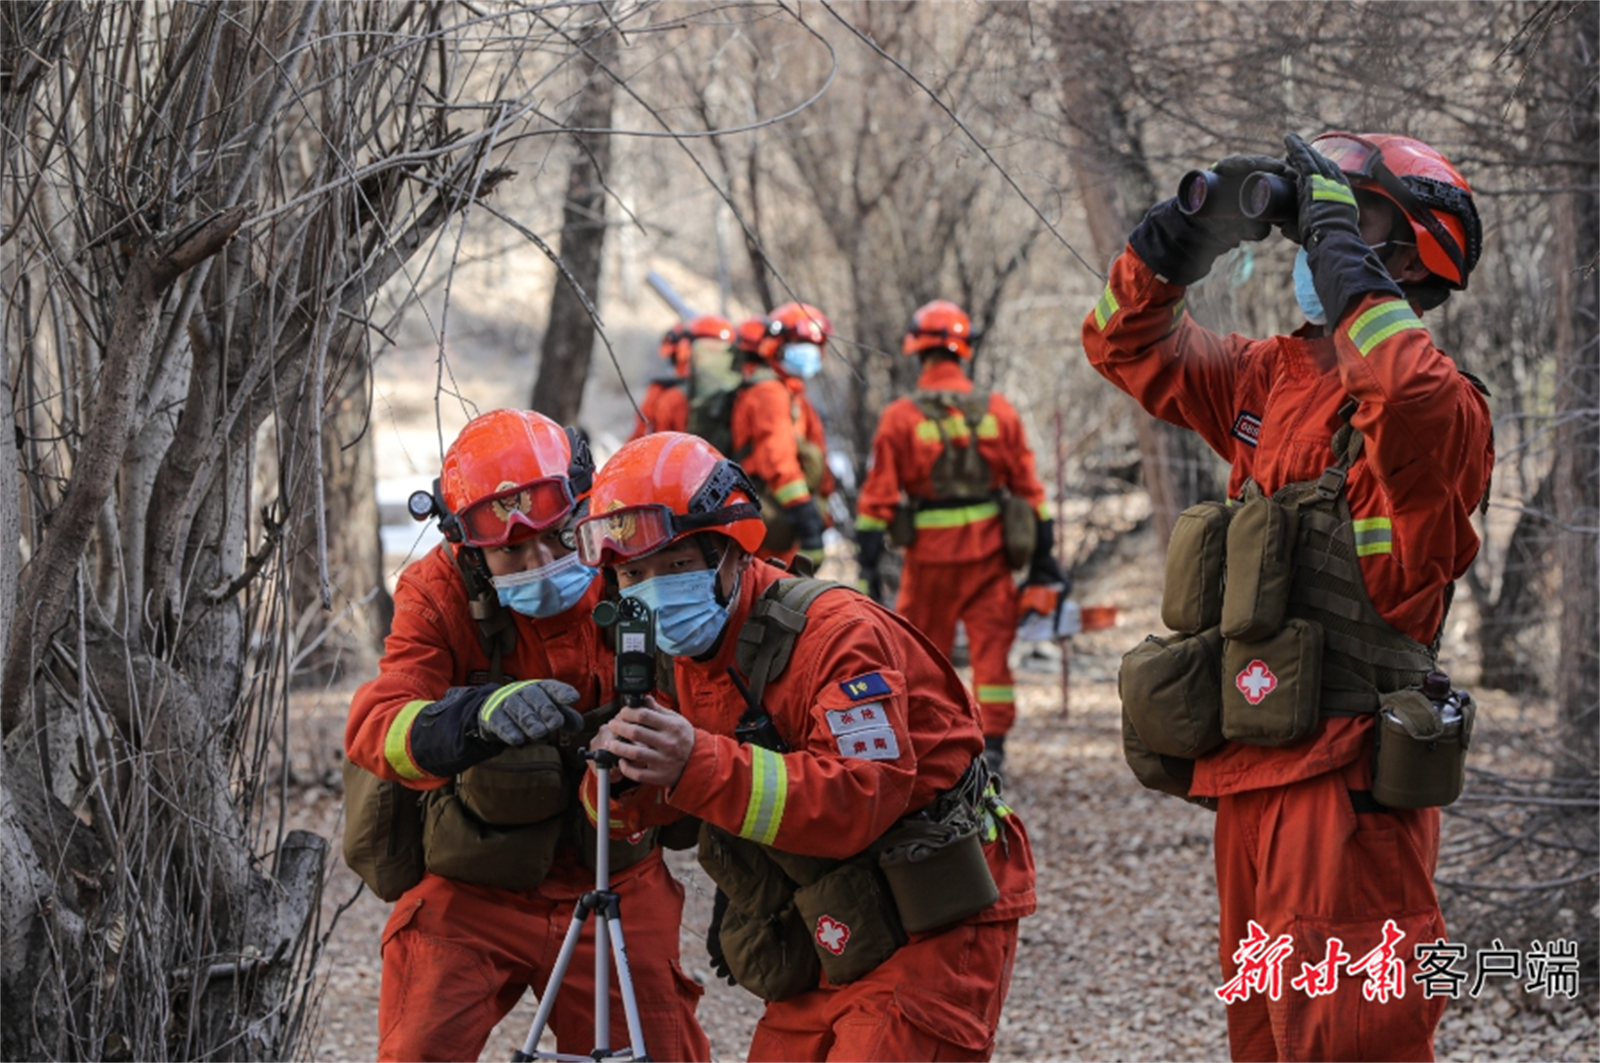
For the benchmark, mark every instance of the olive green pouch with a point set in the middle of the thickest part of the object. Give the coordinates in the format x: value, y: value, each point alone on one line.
x: 1171, y: 691
x: 518, y: 786
x: 741, y: 868
x: 771, y: 956
x: 1261, y: 541
x: 1169, y: 775
x: 852, y: 919
x: 382, y: 832
x: 1271, y: 689
x: 903, y: 525
x: 937, y: 874
x: 1421, y: 758
x: 462, y: 847
x: 1191, y: 601
x: 1019, y: 525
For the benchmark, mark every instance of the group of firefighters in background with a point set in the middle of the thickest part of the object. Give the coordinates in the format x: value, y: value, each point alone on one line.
x: 841, y: 783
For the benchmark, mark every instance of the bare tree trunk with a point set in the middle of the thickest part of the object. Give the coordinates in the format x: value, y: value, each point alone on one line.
x: 569, y: 337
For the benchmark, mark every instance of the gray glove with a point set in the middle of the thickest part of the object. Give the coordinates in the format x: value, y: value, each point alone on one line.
x: 518, y: 713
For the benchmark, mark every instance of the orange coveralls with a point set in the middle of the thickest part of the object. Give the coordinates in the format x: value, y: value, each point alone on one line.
x: 769, y: 416
x: 665, y: 408
x: 938, y: 997
x: 956, y: 569
x: 457, y: 956
x: 1292, y: 853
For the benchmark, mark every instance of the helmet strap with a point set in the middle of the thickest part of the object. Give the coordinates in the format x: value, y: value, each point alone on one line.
x: 1416, y: 211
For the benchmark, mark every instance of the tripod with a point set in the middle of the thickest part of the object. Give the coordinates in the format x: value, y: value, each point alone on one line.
x: 608, y: 926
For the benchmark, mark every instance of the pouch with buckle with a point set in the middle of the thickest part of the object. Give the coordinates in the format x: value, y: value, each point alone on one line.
x: 1261, y: 541
x: 1271, y: 689
x: 518, y: 786
x: 852, y: 918
x: 1171, y: 692
x: 1191, y: 601
x: 937, y: 874
x: 770, y: 955
x: 382, y: 832
x: 461, y: 846
x: 1168, y: 775
x: 1422, y: 753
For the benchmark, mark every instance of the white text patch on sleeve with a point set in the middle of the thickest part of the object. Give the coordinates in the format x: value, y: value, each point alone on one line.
x: 857, y: 718
x: 874, y: 743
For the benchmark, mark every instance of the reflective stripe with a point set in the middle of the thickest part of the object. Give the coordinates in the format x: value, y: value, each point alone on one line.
x: 397, y: 746
x: 1105, y: 308
x: 594, y: 813
x: 1374, y: 535
x: 1329, y: 190
x: 993, y: 808
x: 1381, y: 322
x: 1044, y: 511
x: 1177, y: 316
x: 997, y: 693
x: 866, y: 523
x: 792, y: 492
x: 955, y: 427
x: 769, y: 792
x: 956, y: 516
x: 498, y: 698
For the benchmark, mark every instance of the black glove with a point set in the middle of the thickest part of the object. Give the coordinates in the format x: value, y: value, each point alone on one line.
x: 869, y: 553
x: 1343, y: 267
x: 468, y: 725
x: 1043, y: 568
x: 1182, y: 248
x: 719, y: 962
x: 807, y: 523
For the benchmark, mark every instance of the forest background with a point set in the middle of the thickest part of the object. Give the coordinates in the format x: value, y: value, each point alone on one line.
x: 254, y: 257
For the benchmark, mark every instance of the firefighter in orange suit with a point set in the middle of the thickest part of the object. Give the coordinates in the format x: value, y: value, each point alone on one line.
x: 457, y: 956
x: 867, y: 726
x: 1388, y: 230
x: 777, y: 434
x: 956, y: 569
x: 665, y: 406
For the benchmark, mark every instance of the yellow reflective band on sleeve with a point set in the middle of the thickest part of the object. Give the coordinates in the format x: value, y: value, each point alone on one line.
x: 988, y: 428
x: 769, y: 792
x: 1044, y: 511
x: 594, y: 813
x: 498, y: 698
x: 1105, y: 308
x: 997, y: 694
x: 866, y: 523
x: 1326, y: 188
x: 1381, y: 322
x: 1374, y: 535
x: 396, y: 749
x: 792, y: 492
x: 956, y: 516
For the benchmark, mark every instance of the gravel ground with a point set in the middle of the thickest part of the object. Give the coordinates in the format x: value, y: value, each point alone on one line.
x: 1119, y: 962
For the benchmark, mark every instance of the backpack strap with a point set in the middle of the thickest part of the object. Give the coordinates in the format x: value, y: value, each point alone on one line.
x: 766, y: 642
x: 497, y: 628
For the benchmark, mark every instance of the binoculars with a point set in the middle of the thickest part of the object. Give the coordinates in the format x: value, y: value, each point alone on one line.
x: 1259, y: 196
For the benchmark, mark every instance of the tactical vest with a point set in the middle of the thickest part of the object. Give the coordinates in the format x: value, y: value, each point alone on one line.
x: 1275, y: 627
x: 790, y: 917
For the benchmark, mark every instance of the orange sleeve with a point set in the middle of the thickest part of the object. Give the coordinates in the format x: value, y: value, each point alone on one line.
x: 672, y: 410
x: 880, y: 494
x: 1021, y: 477
x: 763, y: 431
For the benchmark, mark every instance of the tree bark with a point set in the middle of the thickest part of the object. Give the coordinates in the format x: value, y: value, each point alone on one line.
x: 569, y: 338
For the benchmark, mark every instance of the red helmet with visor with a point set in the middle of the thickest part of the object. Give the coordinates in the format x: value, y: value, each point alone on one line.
x: 510, y: 469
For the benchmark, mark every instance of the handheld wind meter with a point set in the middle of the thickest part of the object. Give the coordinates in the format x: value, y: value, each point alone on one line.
x: 635, y: 633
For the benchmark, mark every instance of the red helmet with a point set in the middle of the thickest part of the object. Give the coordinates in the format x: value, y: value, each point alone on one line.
x: 678, y: 343
x: 748, y: 336
x: 795, y: 323
x: 938, y: 326
x: 509, y: 469
x: 662, y: 488
x: 1430, y: 192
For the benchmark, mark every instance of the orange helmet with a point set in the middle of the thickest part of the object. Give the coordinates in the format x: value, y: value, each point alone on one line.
x: 747, y: 338
x: 938, y: 326
x: 1430, y: 192
x: 795, y: 323
x: 662, y: 488
x: 509, y: 469
x: 678, y: 343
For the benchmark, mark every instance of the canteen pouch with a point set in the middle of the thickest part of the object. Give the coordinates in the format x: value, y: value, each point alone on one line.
x: 1169, y: 775
x: 1191, y: 601
x: 851, y: 917
x: 1019, y: 525
x: 1271, y: 689
x: 382, y: 832
x: 1421, y: 758
x: 770, y: 956
x: 903, y: 525
x: 937, y: 874
x: 1260, y: 563
x: 1171, y: 693
x: 460, y: 846
x: 518, y: 786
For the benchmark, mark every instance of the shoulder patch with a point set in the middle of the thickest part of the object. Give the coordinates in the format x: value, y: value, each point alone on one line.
x: 856, y: 718
x: 1247, y: 427
x: 870, y: 685
x: 876, y: 743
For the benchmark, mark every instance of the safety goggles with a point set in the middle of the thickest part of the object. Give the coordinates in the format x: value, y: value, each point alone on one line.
x: 634, y: 531
x: 1363, y: 159
x: 536, y: 505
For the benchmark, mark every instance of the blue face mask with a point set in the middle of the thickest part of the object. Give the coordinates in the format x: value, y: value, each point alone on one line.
x: 804, y: 360
x: 1305, y: 292
x: 688, y: 618
x: 545, y: 591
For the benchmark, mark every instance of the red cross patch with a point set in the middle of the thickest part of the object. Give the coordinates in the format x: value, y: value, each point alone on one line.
x: 832, y: 934
x: 1256, y: 681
